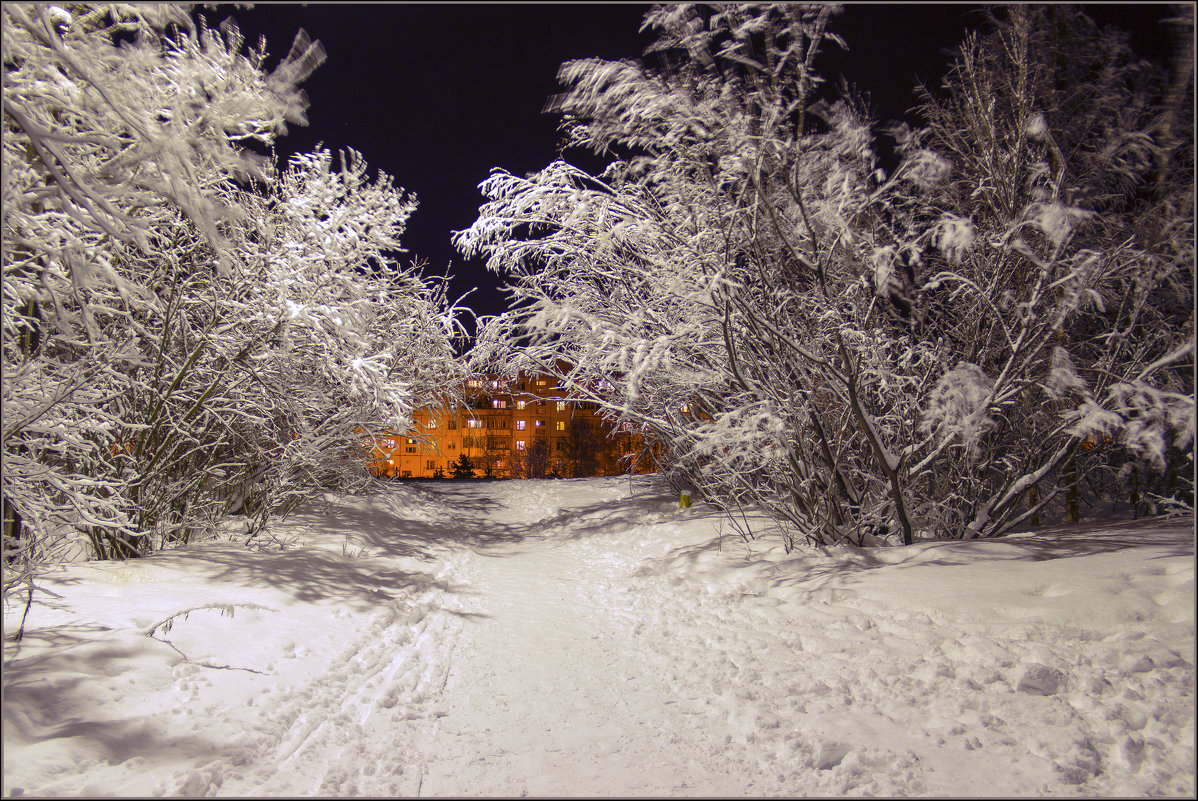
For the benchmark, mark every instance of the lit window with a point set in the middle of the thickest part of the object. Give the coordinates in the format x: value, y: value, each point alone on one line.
x: 520, y: 424
x: 499, y: 464
x: 519, y: 444
x: 561, y: 406
x: 521, y: 404
x: 561, y: 425
x: 474, y: 383
x: 411, y: 441
x: 498, y: 404
x: 686, y: 407
x: 432, y: 423
x: 627, y: 426
x: 540, y: 382
x: 539, y: 423
x: 474, y: 423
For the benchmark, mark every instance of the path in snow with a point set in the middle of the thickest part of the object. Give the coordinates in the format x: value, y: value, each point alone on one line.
x: 512, y: 673
x: 548, y: 694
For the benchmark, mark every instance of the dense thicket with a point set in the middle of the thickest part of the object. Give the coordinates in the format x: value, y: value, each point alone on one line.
x: 999, y: 325
x: 190, y: 331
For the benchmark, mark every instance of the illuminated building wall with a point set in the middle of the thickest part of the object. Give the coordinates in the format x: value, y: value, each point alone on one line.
x: 527, y: 428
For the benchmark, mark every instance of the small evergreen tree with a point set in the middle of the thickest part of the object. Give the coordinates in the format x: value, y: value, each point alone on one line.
x: 463, y: 467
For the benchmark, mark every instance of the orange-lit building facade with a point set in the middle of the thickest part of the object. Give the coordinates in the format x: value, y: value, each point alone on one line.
x: 526, y: 428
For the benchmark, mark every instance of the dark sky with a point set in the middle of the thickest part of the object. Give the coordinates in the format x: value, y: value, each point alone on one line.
x: 437, y: 94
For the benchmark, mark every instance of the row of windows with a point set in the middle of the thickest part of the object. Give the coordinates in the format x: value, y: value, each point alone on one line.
x: 411, y: 446
x: 392, y: 443
x: 496, y: 444
x: 493, y: 445
x: 499, y: 385
x: 521, y: 425
x: 500, y: 403
x: 432, y: 464
x: 521, y: 445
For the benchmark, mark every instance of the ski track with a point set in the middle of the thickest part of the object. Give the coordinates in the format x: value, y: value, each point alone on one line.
x: 547, y: 658
x: 341, y: 733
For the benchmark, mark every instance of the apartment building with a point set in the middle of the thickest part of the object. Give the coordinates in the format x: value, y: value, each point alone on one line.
x: 526, y: 428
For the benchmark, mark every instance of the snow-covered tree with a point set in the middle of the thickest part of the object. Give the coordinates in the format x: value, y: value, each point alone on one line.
x: 680, y: 286
x: 188, y: 333
x: 1074, y: 297
x: 847, y: 348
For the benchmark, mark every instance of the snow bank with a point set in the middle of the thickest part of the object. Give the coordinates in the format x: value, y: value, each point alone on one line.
x: 590, y: 637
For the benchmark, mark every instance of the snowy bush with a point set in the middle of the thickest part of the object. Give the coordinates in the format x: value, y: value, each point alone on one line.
x: 959, y: 404
x: 700, y: 305
x: 922, y: 339
x: 1076, y: 282
x: 187, y: 333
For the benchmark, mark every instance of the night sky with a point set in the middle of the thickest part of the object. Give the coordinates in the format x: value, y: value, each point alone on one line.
x: 436, y: 95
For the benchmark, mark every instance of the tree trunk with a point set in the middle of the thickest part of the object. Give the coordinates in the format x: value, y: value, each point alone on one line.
x: 1135, y: 494
x: 1072, y: 508
x: 12, y: 532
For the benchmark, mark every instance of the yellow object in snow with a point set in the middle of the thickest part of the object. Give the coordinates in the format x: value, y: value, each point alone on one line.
x: 684, y: 500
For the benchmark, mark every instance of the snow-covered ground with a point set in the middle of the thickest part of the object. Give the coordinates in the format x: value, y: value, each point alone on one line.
x: 588, y: 637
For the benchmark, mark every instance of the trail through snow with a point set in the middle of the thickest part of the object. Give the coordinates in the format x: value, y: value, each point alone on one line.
x: 567, y: 702
x: 589, y: 638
